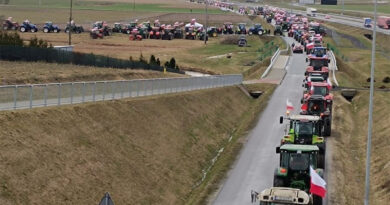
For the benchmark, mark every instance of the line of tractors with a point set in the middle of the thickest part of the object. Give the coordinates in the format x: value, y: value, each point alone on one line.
x: 303, y: 144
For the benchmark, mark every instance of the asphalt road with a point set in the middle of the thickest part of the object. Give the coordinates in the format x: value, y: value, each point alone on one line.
x: 257, y: 161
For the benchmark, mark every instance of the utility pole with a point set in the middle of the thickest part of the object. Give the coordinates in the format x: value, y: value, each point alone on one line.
x: 370, y: 110
x: 134, y: 5
x: 205, y: 28
x: 342, y: 12
x: 70, y: 22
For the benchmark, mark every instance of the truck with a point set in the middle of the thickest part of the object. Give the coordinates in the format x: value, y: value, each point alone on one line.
x: 284, y: 195
x: 311, y: 12
x: 384, y: 22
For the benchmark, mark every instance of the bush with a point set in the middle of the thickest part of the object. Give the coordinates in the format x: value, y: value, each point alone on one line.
x: 7, y: 38
x: 39, y: 43
x: 152, y: 60
x: 386, y: 79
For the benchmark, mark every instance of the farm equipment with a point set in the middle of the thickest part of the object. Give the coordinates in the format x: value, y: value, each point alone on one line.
x: 155, y: 33
x: 306, y: 130
x: 117, y: 28
x: 297, y: 48
x: 294, y: 167
x: 320, y: 106
x: 135, y: 35
x: 284, y: 196
x: 27, y: 26
x: 257, y: 29
x: 212, y: 32
x: 96, y: 33
x: 367, y: 22
x: 190, y: 33
x: 103, y: 27
x: 8, y: 24
x: 241, y: 29
x: 278, y: 30
x: 384, y: 22
x: 242, y: 42
x: 72, y: 27
x: 49, y: 27
x: 167, y: 33
x: 228, y: 28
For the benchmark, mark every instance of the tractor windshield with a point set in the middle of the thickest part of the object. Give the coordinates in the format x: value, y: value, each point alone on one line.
x: 316, y: 106
x: 299, y: 161
x: 319, y: 51
x: 320, y: 90
x: 304, y: 132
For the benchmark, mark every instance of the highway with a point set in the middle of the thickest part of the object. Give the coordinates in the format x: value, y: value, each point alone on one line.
x: 254, y: 167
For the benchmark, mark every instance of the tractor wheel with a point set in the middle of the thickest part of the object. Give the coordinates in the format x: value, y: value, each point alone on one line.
x: 327, y: 127
x: 45, y: 30
x: 34, y: 30
x: 250, y: 33
x: 321, y: 161
x: 278, y: 182
x: 260, y: 33
x: 5, y: 28
x: 317, y: 200
x: 22, y: 29
x: 55, y: 31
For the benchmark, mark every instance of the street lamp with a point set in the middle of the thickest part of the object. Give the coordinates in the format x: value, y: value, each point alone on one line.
x: 70, y: 22
x: 370, y: 110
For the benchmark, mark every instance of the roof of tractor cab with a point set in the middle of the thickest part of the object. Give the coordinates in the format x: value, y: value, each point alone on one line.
x: 314, y: 57
x: 324, y: 69
x: 304, y: 117
x: 316, y: 97
x: 319, y: 84
x: 299, y: 147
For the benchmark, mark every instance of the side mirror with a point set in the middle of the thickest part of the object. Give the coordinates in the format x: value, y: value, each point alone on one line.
x: 281, y: 120
x: 307, y: 60
x: 277, y: 150
x: 328, y: 60
x: 303, y: 85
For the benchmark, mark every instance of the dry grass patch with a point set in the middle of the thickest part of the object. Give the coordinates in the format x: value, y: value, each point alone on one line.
x: 31, y: 72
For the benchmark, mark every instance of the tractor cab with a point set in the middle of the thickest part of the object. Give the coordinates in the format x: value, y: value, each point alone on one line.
x: 313, y: 77
x: 228, y: 28
x: 117, y: 28
x: 212, y: 32
x: 283, y: 196
x: 319, y: 52
x: 303, y: 129
x: 98, y: 24
x: 320, y: 106
x: 241, y: 28
x: 294, y: 166
x: 318, y: 62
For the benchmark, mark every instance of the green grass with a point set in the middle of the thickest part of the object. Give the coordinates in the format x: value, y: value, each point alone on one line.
x: 110, y: 6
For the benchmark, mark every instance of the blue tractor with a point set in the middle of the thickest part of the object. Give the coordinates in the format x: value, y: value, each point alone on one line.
x: 27, y: 26
x: 257, y: 29
x: 49, y: 27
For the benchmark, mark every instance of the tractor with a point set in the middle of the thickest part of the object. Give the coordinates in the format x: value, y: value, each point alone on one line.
x: 167, y: 33
x: 313, y: 77
x: 72, y: 27
x: 278, y: 30
x: 228, y: 28
x: 8, y: 24
x: 320, y: 106
x: 284, y: 196
x: 155, y: 33
x: 118, y: 28
x: 96, y: 33
x: 305, y: 129
x: 135, y: 35
x: 49, y: 27
x: 294, y: 167
x: 190, y: 33
x: 212, y: 32
x: 242, y: 42
x: 241, y: 29
x: 103, y: 27
x: 27, y: 26
x: 257, y: 29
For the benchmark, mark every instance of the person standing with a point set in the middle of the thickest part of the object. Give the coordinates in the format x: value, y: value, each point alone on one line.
x: 253, y: 196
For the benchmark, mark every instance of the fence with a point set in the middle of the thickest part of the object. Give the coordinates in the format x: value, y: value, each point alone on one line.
x: 336, y: 51
x: 18, y: 53
x: 42, y: 95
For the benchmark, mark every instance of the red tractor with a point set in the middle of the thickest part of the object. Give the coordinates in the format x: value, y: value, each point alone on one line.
x: 155, y: 32
x: 96, y: 33
x: 320, y: 106
x: 135, y: 35
x: 8, y: 24
x: 318, y: 88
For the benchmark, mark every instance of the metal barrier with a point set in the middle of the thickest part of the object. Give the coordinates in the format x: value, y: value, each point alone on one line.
x: 42, y: 95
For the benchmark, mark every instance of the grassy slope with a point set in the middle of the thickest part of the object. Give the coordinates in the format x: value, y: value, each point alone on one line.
x: 143, y: 151
x: 349, y: 142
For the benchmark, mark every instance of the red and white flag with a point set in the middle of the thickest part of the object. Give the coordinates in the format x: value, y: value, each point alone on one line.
x: 290, y: 106
x: 317, y: 184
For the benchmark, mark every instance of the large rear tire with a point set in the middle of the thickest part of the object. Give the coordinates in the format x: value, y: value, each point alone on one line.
x: 317, y: 200
x: 22, y: 29
x: 327, y: 127
x: 278, y: 182
x: 45, y: 30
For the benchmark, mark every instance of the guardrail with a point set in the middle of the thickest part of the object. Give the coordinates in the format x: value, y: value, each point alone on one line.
x: 55, y: 94
x: 333, y: 58
x: 273, y: 60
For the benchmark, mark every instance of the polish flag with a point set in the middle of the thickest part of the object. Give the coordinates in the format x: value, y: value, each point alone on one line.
x: 290, y: 106
x: 317, y: 184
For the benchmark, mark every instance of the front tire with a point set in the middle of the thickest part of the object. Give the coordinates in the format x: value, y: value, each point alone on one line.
x: 45, y: 30
x: 22, y: 29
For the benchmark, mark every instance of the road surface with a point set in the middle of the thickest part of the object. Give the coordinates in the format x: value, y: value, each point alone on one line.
x: 257, y: 161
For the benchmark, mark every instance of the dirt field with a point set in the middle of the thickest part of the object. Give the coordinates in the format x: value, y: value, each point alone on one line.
x: 157, y: 148
x: 30, y: 73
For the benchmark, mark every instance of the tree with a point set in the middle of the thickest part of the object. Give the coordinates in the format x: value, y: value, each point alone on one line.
x: 158, y: 62
x: 172, y: 63
x: 152, y: 60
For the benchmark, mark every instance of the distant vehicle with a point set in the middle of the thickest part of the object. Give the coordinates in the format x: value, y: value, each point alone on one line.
x: 384, y: 22
x: 50, y: 27
x: 8, y: 24
x: 257, y: 29
x: 27, y: 26
x: 367, y: 22
x: 311, y: 12
x: 242, y: 42
x: 327, y: 17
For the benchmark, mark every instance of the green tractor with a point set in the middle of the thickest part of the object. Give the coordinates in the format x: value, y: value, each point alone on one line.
x: 294, y: 167
x: 305, y: 129
x: 278, y: 30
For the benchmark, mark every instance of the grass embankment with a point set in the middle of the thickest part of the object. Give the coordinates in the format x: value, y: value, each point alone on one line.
x: 350, y: 120
x: 143, y: 151
x: 349, y: 150
x: 355, y: 71
x: 31, y: 72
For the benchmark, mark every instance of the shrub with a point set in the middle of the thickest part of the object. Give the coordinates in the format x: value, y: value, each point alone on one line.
x: 386, y: 79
